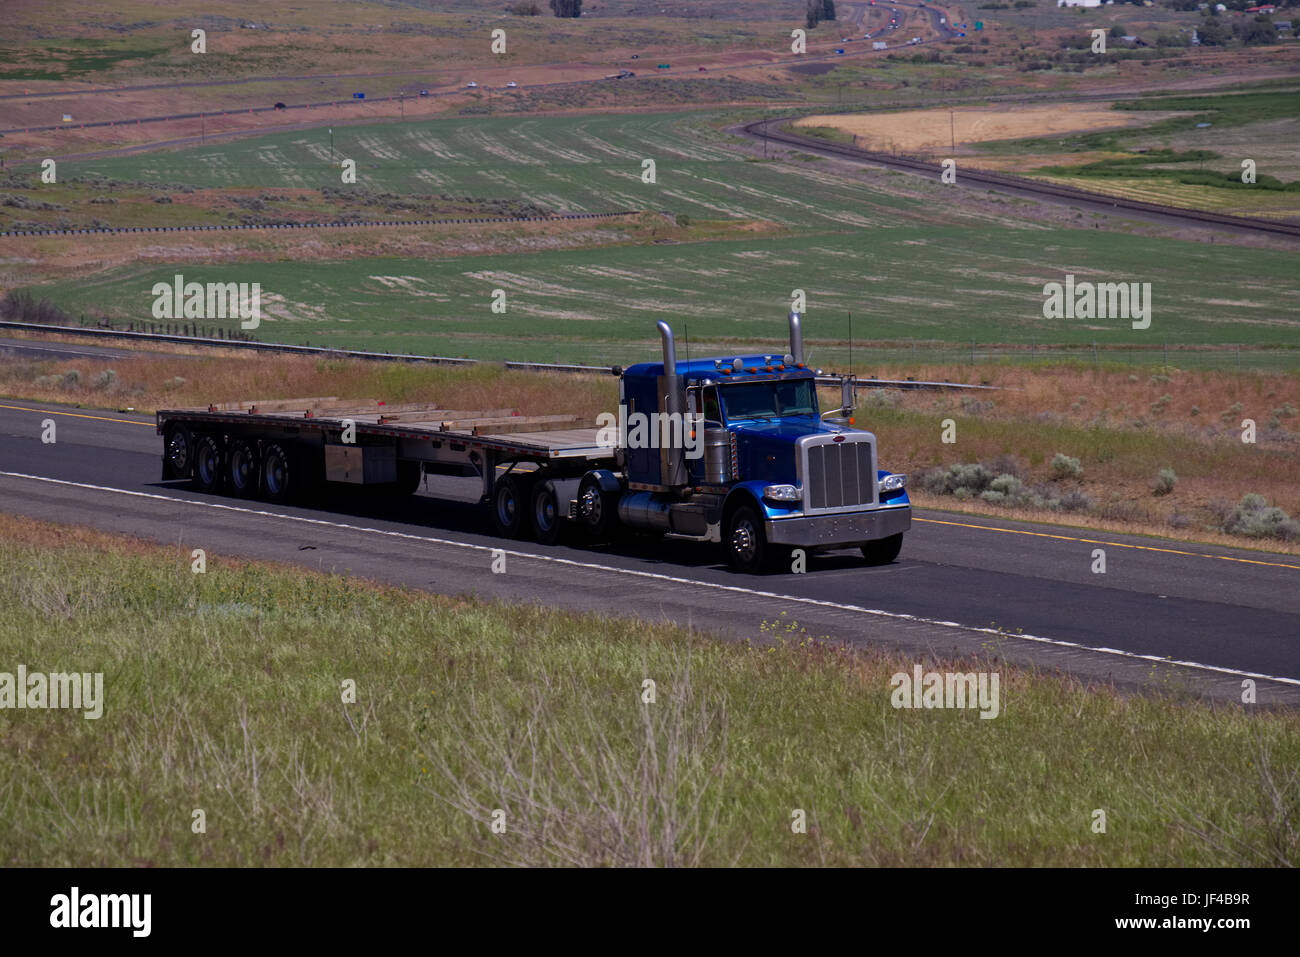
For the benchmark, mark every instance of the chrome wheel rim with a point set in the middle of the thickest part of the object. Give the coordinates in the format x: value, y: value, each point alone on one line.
x: 591, y: 506
x: 743, y: 541
x: 178, y: 452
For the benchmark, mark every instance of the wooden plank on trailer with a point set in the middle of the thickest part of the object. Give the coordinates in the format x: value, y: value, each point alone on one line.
x: 418, y: 416
x: 324, y: 404
x: 551, y: 441
x: 518, y: 423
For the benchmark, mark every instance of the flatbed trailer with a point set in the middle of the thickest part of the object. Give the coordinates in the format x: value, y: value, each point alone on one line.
x: 277, y: 449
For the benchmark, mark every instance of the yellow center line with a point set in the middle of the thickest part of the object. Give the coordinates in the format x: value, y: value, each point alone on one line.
x: 1094, y: 541
x: 79, y: 415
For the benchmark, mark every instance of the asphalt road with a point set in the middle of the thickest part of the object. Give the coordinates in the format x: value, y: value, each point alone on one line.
x: 962, y: 585
x: 36, y: 349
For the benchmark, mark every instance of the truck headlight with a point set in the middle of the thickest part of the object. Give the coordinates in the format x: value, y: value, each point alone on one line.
x: 893, y: 483
x: 782, y: 493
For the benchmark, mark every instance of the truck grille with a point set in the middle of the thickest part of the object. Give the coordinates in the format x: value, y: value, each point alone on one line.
x: 840, y: 474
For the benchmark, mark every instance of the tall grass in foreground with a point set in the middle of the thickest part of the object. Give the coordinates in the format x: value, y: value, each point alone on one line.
x: 224, y: 693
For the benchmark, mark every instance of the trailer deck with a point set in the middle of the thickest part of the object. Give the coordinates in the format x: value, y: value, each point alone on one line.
x: 501, y: 430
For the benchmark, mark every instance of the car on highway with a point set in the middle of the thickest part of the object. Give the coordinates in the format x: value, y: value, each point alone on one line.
x: 280, y: 106
x: 512, y: 85
x: 471, y: 85
x: 424, y: 92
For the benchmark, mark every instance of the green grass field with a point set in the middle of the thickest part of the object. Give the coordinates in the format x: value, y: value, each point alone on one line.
x: 908, y: 261
x: 223, y: 692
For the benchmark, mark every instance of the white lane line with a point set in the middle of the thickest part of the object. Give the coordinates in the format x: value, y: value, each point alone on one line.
x: 657, y: 576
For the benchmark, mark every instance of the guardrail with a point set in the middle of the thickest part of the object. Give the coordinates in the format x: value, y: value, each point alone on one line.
x: 284, y: 347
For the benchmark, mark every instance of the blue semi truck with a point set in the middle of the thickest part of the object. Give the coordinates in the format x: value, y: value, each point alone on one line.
x: 732, y: 450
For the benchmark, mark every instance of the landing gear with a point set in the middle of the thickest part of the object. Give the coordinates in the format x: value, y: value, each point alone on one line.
x: 409, y: 475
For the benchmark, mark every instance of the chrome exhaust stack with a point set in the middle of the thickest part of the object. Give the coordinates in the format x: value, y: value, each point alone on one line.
x: 672, y: 455
x: 796, y: 338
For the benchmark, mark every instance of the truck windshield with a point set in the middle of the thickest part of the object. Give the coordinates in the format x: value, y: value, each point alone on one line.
x: 757, y: 400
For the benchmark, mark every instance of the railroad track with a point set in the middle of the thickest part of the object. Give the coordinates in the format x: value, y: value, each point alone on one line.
x: 332, y: 225
x: 766, y: 130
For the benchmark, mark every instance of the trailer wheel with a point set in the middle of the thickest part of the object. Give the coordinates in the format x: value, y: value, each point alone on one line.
x: 548, y: 518
x: 241, y: 468
x: 597, y: 509
x: 278, y: 481
x: 745, y: 542
x: 510, y: 506
x: 882, y: 551
x: 177, y: 460
x: 207, y: 464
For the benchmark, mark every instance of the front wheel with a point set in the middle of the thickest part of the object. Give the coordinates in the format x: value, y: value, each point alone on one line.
x: 883, y: 550
x: 745, y: 542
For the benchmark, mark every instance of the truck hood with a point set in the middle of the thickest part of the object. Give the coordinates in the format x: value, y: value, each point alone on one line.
x: 764, y: 447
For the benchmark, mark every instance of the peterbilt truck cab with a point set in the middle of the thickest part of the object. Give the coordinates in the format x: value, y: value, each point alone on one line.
x: 739, y: 453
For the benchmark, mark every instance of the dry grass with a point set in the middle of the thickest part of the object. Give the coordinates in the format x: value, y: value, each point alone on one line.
x: 920, y: 131
x: 151, y: 382
x: 222, y: 692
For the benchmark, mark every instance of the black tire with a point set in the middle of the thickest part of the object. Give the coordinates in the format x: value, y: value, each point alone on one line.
x: 209, y: 467
x: 745, y: 542
x: 597, y: 510
x: 883, y: 550
x: 547, y: 513
x: 510, y: 506
x: 242, y: 476
x: 178, y: 456
x: 279, y: 474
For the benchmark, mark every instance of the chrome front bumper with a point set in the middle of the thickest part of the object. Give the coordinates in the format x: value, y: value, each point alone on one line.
x: 845, y: 529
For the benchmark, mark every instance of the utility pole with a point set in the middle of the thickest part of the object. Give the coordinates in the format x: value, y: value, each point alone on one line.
x: 952, y: 129
x: 331, y: 146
